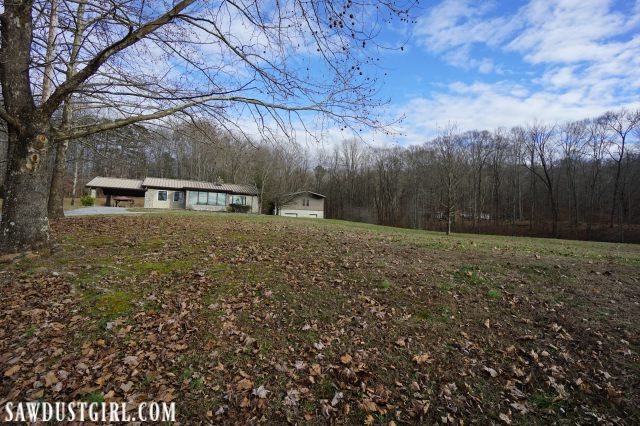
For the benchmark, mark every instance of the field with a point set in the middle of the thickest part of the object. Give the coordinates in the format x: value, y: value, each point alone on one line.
x: 252, y: 319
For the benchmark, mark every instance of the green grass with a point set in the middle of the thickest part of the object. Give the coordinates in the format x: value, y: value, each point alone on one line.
x: 542, y: 400
x: 494, y: 293
x: 386, y: 284
x: 441, y: 313
x: 95, y: 398
x: 110, y: 305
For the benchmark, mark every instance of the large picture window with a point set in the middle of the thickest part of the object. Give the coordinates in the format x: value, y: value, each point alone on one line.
x: 205, y: 198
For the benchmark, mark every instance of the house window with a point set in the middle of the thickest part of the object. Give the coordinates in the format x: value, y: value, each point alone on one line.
x: 162, y: 195
x: 305, y: 202
x: 177, y: 196
x: 205, y: 198
x: 202, y: 198
x: 240, y: 200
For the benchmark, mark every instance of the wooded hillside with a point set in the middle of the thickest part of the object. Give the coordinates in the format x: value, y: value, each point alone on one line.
x: 573, y: 180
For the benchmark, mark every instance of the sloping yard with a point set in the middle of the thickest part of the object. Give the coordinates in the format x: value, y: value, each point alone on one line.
x: 245, y: 319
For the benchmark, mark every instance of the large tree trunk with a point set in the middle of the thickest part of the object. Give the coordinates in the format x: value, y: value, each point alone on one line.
x: 24, y: 224
x: 56, y: 193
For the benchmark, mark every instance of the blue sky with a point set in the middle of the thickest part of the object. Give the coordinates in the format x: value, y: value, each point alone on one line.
x: 490, y: 64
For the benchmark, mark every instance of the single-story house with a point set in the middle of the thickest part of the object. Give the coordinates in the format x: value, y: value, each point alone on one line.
x: 301, y: 204
x: 160, y: 193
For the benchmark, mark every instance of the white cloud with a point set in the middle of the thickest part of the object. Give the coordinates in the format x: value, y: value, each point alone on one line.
x: 452, y: 28
x: 490, y: 106
x: 581, y: 58
x: 569, y: 31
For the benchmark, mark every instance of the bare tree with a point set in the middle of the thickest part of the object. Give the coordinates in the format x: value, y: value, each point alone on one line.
x: 56, y: 191
x: 388, y: 184
x: 449, y: 153
x: 114, y: 76
x: 478, y: 144
x: 573, y: 138
x: 621, y: 123
x: 542, y: 146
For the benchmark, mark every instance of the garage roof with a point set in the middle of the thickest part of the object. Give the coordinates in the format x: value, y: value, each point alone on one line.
x: 314, y: 194
x: 115, y: 183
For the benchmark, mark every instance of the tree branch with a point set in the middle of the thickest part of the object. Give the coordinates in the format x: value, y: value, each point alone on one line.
x: 71, y: 84
x: 10, y: 120
x: 61, y: 135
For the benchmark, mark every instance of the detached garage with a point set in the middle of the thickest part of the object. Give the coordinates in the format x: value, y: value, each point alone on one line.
x: 302, y: 204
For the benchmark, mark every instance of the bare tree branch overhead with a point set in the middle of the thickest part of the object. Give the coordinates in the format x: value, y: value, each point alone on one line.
x: 282, y: 63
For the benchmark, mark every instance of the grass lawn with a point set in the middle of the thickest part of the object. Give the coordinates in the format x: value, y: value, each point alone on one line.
x: 254, y: 319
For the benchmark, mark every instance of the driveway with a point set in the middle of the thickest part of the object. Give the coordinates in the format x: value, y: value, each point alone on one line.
x: 89, y: 211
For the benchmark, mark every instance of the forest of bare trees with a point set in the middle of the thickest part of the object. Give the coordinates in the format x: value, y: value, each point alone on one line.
x: 571, y: 180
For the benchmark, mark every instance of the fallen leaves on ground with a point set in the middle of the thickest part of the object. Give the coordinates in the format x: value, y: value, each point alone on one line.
x: 258, y: 320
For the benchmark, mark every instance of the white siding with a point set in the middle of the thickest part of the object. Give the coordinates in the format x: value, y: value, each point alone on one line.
x: 151, y: 199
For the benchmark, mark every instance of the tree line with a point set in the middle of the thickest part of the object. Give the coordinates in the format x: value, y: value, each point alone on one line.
x: 573, y: 180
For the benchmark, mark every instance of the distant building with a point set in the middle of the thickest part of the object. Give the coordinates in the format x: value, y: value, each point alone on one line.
x: 162, y: 193
x: 301, y: 204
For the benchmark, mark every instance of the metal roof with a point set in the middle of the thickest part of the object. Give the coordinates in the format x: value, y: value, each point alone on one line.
x: 233, y: 188
x: 151, y: 182
x: 115, y: 183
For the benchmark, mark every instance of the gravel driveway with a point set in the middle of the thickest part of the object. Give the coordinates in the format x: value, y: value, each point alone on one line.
x: 89, y: 211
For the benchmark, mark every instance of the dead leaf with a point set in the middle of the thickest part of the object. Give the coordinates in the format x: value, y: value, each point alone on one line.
x: 244, y: 384
x: 337, y: 398
x: 315, y: 370
x: 505, y: 418
x: 292, y: 398
x: 10, y: 372
x: 346, y: 359
x: 261, y: 392
x: 519, y: 407
x: 369, y: 405
x: 50, y: 379
x: 422, y: 359
x: 491, y: 371
x: 131, y: 360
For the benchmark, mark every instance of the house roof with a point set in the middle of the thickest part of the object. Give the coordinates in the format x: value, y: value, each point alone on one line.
x: 115, y: 183
x: 150, y: 182
x: 234, y: 188
x: 294, y: 194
